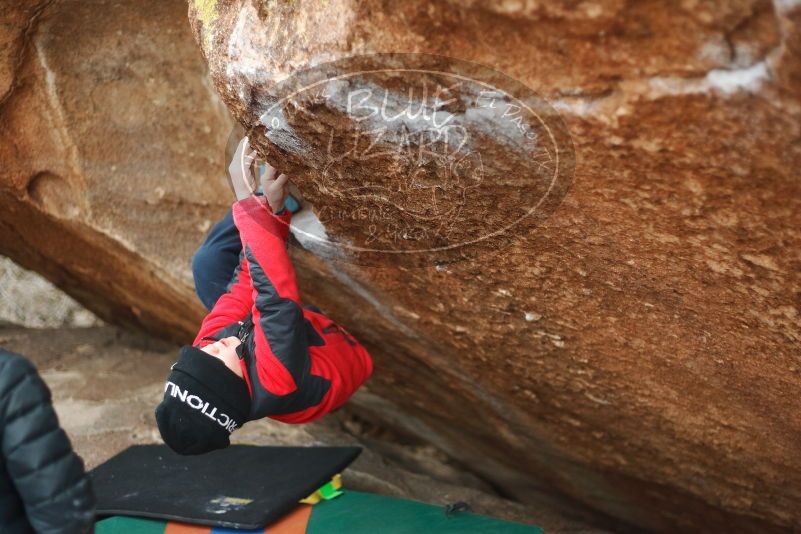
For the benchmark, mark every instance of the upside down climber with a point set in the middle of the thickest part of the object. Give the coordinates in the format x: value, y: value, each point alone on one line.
x: 259, y: 352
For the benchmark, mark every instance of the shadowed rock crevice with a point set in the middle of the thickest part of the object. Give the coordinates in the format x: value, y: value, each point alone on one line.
x: 53, y: 194
x: 93, y: 274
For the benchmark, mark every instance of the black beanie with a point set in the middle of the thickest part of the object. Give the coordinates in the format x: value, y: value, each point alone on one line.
x: 204, y: 401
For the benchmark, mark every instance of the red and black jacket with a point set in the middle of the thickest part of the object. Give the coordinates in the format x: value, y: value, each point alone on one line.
x: 298, y: 364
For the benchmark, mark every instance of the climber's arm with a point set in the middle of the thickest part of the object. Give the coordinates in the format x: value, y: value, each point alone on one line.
x: 230, y: 308
x: 235, y: 305
x: 280, y: 338
x: 289, y: 348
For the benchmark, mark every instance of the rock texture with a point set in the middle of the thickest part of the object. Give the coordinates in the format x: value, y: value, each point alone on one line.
x: 111, y: 155
x: 638, y: 351
x: 27, y: 299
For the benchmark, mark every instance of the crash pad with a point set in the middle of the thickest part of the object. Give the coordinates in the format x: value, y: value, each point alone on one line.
x: 352, y: 513
x: 366, y: 513
x: 295, y: 522
x: 242, y: 486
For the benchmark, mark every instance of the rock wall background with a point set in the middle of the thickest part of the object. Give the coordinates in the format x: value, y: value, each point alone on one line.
x: 639, y: 351
x: 112, y: 148
x: 637, y: 354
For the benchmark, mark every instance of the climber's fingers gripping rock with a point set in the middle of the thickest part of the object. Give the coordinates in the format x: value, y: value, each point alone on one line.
x: 275, y: 187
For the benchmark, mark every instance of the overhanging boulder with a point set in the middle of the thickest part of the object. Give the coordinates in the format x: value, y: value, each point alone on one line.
x: 638, y: 348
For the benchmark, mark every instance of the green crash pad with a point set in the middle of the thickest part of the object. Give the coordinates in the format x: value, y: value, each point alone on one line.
x: 130, y: 525
x: 365, y: 513
x: 352, y: 512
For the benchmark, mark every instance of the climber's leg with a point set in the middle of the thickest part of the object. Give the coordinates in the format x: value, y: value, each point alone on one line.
x: 214, y: 263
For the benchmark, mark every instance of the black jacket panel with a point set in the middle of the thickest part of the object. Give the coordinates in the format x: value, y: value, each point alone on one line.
x: 43, y: 486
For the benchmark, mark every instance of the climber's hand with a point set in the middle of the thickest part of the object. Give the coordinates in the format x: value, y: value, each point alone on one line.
x: 241, y: 170
x: 275, y: 188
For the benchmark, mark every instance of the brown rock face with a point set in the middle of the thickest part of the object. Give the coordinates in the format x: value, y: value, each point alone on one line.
x: 636, y: 347
x: 633, y: 343
x: 111, y: 143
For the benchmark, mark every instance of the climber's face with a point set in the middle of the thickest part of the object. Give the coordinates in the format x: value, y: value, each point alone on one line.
x: 225, y: 350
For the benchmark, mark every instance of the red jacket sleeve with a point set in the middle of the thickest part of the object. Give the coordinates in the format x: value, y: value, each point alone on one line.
x: 230, y: 308
x: 284, y: 356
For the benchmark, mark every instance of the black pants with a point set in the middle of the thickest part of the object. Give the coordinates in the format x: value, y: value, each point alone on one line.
x: 214, y: 263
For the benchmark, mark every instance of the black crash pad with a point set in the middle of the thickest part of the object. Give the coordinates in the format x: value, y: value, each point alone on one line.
x: 241, y: 486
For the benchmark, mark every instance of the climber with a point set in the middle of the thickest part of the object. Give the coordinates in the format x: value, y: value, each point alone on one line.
x: 259, y: 352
